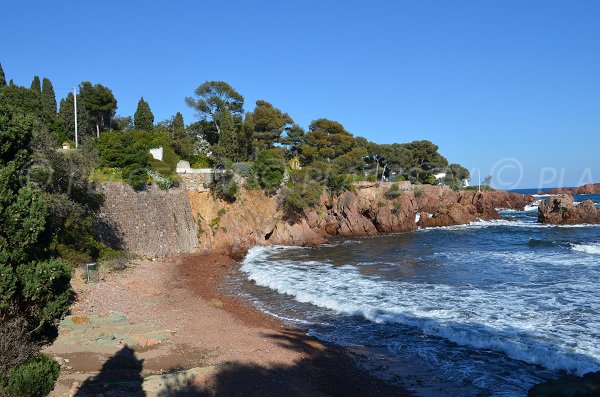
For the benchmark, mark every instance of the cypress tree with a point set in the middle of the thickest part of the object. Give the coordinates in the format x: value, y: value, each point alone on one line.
x: 229, y: 139
x: 66, y: 114
x: 143, y: 119
x: 35, y: 85
x: 2, y: 77
x: 178, y: 124
x: 48, y: 97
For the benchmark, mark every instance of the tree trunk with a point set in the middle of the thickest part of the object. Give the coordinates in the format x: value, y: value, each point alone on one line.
x: 97, y: 130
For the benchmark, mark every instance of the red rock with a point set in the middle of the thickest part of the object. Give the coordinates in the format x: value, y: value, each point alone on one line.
x: 561, y: 210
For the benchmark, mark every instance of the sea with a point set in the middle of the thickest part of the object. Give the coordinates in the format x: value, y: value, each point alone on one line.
x: 485, y: 309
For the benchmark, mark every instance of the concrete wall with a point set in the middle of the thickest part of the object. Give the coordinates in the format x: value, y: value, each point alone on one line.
x: 150, y: 223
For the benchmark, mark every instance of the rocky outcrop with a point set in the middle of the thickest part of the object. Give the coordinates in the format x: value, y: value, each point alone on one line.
x: 257, y: 219
x: 560, y: 210
x: 590, y: 188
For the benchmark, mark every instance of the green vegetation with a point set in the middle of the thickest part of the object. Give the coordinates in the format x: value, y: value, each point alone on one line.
x: 35, y: 378
x: 49, y: 203
x: 143, y: 119
x: 393, y: 192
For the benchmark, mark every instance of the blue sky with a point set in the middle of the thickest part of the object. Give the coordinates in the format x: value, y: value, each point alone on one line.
x: 499, y: 85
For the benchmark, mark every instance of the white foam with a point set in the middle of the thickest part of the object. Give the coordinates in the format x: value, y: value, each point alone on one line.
x: 504, y: 222
x: 525, y: 324
x: 593, y: 249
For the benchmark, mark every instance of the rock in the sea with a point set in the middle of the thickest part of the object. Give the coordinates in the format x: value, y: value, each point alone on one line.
x: 587, y: 385
x: 560, y: 210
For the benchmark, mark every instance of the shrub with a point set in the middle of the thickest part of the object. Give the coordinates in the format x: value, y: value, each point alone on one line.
x: 372, y: 178
x: 393, y: 192
x: 300, y: 196
x: 418, y: 192
x: 339, y: 183
x: 34, y: 378
x: 164, y: 183
x: 225, y: 187
x: 201, y: 161
x: 244, y: 169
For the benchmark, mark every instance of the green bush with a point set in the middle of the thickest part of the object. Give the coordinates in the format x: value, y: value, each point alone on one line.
x: 244, y: 169
x: 372, y: 178
x: 270, y: 168
x: 201, y: 161
x: 393, y: 192
x: 225, y: 187
x: 339, y: 183
x: 34, y: 378
x: 302, y: 195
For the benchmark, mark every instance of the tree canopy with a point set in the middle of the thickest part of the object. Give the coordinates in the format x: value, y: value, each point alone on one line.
x: 99, y: 102
x: 36, y: 86
x: 213, y: 98
x: 143, y: 119
x: 266, y: 124
x: 2, y: 77
x: 48, y: 97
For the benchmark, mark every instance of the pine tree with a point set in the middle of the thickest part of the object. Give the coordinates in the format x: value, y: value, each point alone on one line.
x: 2, y: 77
x: 35, y: 85
x: 143, y: 119
x: 48, y: 97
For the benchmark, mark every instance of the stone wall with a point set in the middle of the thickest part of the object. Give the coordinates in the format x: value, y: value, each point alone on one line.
x: 196, y: 182
x: 149, y: 223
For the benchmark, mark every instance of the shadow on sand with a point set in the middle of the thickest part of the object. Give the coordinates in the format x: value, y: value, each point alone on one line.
x: 322, y: 371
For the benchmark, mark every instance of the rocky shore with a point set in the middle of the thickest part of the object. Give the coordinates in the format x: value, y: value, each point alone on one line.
x: 590, y: 188
x: 370, y: 209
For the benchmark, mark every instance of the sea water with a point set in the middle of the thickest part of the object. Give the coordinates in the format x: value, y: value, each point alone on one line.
x: 485, y: 309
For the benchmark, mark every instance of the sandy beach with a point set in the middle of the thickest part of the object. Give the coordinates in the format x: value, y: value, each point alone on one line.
x: 165, y: 328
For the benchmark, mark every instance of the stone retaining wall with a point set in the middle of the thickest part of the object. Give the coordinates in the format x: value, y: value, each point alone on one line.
x: 149, y: 223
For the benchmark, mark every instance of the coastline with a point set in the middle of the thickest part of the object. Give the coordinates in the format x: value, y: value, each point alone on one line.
x: 183, y: 335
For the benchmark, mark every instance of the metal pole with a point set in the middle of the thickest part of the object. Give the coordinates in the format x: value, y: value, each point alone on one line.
x: 75, y: 102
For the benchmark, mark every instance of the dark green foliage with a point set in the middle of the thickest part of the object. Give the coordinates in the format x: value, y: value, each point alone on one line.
x: 230, y: 144
x: 143, y: 119
x: 48, y: 98
x: 270, y: 168
x: 129, y: 152
x: 214, y: 97
x: 66, y: 114
x: 35, y: 378
x: 301, y: 196
x: 293, y: 140
x: 100, y: 104
x: 36, y: 86
x: 26, y: 102
x: 177, y: 124
x: 2, y: 77
x: 325, y: 140
x: 34, y: 286
x: 265, y: 125
x: 224, y: 186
